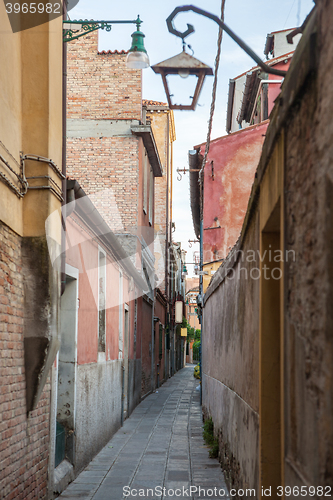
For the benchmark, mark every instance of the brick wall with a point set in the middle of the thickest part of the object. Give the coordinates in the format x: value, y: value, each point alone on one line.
x: 108, y: 165
x: 162, y: 125
x: 24, y: 442
x: 159, y: 123
x: 114, y: 90
x: 101, y: 88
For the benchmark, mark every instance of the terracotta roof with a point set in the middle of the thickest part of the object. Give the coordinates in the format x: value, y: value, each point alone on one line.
x: 146, y: 102
x: 113, y: 52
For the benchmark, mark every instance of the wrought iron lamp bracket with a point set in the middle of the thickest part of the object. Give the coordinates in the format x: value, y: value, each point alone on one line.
x: 86, y: 26
x: 239, y: 41
x: 89, y: 26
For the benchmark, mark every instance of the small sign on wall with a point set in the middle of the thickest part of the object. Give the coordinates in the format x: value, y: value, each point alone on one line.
x: 183, y: 332
x: 179, y: 311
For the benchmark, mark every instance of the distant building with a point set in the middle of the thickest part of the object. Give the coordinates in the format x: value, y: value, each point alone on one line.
x: 161, y: 119
x: 252, y: 94
x: 192, y: 290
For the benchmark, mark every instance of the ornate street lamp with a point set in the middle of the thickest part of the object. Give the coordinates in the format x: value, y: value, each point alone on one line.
x: 181, y: 63
x: 137, y: 57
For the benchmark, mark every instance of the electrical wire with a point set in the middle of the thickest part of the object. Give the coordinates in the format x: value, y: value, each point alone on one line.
x: 212, y: 108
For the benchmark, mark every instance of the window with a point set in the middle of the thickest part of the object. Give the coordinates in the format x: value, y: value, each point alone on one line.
x: 151, y: 196
x: 121, y: 316
x: 145, y: 182
x: 160, y: 345
x: 101, y: 300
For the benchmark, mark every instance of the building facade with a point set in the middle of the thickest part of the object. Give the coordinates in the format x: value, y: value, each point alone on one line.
x: 113, y: 154
x: 30, y: 191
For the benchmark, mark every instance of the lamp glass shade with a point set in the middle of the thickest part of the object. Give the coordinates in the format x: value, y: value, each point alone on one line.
x: 183, y: 73
x: 183, y: 65
x: 137, y: 60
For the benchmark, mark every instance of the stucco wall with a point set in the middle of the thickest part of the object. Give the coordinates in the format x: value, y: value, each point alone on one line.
x: 98, y: 412
x: 291, y: 197
x: 230, y: 353
x: 30, y: 121
x: 309, y: 280
x: 229, y: 174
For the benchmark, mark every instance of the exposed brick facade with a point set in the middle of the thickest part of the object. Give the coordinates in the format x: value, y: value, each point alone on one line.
x: 105, y: 171
x: 114, y: 90
x: 24, y: 443
x: 162, y: 123
x: 101, y: 88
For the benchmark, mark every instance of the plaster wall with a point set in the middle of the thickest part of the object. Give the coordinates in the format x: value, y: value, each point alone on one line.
x: 295, y: 177
x: 227, y: 187
x: 30, y: 121
x: 98, y: 412
x: 238, y: 97
x: 160, y: 312
x: 10, y: 119
x: 309, y: 229
x: 281, y: 45
x: 230, y: 353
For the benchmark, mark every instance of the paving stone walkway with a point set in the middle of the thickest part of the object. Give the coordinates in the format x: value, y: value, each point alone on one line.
x: 158, y: 454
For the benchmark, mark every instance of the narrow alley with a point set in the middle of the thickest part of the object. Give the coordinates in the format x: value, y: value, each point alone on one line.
x: 160, y: 446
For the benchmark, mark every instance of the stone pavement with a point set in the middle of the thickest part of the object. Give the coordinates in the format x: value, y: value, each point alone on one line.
x: 159, y: 446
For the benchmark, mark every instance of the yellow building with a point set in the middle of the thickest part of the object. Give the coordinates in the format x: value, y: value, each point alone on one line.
x: 30, y: 191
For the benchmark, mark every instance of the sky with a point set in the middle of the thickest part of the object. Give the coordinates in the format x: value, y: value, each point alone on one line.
x: 251, y: 20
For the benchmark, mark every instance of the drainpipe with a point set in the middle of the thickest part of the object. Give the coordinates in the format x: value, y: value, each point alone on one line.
x: 167, y: 245
x: 152, y: 344
x: 201, y: 302
x: 200, y: 297
x: 122, y: 393
x: 63, y: 182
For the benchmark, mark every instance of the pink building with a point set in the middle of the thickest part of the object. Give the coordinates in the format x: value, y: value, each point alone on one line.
x: 101, y: 343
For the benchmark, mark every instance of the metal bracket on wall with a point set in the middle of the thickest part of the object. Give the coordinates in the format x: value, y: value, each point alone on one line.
x: 192, y: 241
x: 212, y: 167
x: 181, y: 171
x: 71, y: 29
x: 71, y: 32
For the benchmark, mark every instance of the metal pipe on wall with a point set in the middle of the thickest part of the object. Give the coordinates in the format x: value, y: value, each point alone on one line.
x: 64, y: 144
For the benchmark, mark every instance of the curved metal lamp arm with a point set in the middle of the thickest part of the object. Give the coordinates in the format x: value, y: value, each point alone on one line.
x: 239, y: 41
